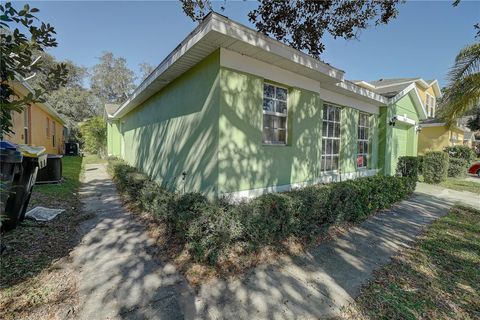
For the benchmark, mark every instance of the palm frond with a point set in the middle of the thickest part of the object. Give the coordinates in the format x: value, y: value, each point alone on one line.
x: 467, y: 62
x: 462, y: 96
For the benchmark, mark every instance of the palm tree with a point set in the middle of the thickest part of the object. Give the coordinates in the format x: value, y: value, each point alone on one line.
x: 463, y: 91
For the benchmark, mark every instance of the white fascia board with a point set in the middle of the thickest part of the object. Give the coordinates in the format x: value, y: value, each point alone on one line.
x: 436, y: 88
x: 350, y: 86
x: 437, y: 124
x: 395, y: 84
x: 236, y: 61
x: 412, y: 90
x: 365, y: 83
x: 247, y: 35
x: 220, y: 25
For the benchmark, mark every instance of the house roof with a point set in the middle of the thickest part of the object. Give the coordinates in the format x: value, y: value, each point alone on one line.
x: 25, y: 88
x: 110, y: 108
x: 383, y: 86
x: 217, y: 31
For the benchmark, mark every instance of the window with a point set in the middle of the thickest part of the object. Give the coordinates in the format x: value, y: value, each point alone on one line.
x: 26, y: 124
x: 48, y: 127
x: 362, y: 140
x: 53, y: 133
x: 274, y: 114
x: 330, y: 138
x: 430, y: 105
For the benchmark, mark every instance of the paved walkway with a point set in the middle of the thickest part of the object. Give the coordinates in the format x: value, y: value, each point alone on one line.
x: 120, y: 279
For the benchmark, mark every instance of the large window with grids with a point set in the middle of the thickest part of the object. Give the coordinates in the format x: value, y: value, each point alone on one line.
x: 330, y: 138
x: 362, y: 140
x: 275, y: 114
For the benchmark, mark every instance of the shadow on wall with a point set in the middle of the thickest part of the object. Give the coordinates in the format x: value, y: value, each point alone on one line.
x: 244, y: 161
x: 176, y: 131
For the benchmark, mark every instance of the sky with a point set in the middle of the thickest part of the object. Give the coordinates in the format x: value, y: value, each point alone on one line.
x: 421, y: 42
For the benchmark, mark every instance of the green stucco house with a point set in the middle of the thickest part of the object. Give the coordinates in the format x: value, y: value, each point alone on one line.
x: 233, y: 112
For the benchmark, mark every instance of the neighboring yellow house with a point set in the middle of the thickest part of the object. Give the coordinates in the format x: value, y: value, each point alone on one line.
x: 38, y: 125
x: 434, y: 135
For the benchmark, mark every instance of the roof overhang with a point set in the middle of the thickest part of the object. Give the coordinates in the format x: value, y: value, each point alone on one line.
x: 24, y: 88
x: 217, y: 31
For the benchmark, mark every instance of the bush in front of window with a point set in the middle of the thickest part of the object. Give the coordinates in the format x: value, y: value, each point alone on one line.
x: 210, y: 228
x: 435, y: 167
x: 408, y: 167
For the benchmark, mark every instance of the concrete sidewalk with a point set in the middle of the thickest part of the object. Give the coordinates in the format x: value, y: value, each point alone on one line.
x: 121, y: 279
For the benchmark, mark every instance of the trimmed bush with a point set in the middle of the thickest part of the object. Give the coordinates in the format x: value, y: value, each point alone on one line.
x: 209, y: 227
x: 407, y: 167
x: 420, y: 165
x: 435, y: 167
x: 463, y: 152
x: 457, y: 167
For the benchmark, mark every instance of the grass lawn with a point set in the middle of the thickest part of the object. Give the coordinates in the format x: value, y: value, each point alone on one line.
x: 34, y: 270
x: 461, y: 185
x: 438, y: 278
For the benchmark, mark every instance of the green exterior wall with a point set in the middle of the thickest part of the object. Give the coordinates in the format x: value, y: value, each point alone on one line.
x: 176, y: 131
x: 113, y: 139
x: 399, y: 140
x: 245, y: 163
x: 208, y: 123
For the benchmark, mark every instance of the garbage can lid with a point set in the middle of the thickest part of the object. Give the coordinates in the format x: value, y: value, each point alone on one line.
x: 30, y: 151
x: 4, y: 144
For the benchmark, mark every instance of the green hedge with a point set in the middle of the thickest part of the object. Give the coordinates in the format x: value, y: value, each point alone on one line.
x: 209, y: 227
x: 461, y: 152
x: 457, y: 167
x: 408, y: 167
x: 435, y: 167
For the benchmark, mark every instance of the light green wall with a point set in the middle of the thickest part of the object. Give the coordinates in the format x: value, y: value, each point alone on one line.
x: 113, y: 139
x: 399, y: 140
x: 176, y: 131
x: 245, y: 163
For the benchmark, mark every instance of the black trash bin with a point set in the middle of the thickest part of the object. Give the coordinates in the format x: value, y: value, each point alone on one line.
x: 10, y: 165
x: 71, y: 149
x: 52, y: 172
x: 22, y: 185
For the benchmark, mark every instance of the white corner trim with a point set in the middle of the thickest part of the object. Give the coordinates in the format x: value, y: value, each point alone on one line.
x: 325, y: 178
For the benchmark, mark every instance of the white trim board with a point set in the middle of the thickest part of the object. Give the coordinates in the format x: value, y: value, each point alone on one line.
x: 325, y: 178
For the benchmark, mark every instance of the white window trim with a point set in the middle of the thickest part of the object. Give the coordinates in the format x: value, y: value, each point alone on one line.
x: 277, y: 114
x: 334, y: 171
x: 430, y: 104
x: 363, y: 140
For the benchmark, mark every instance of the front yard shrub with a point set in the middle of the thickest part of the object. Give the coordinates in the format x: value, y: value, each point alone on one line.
x: 457, y: 167
x: 407, y: 167
x: 463, y: 152
x: 208, y: 228
x: 435, y: 167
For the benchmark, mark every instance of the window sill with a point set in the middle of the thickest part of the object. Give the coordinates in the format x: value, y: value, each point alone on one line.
x: 274, y: 144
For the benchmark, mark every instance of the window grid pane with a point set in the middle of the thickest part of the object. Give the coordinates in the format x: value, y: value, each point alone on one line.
x: 363, y: 140
x: 330, y: 138
x: 275, y: 112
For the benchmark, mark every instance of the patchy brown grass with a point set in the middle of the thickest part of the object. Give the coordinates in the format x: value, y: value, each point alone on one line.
x: 37, y: 278
x: 438, y: 278
x: 233, y: 263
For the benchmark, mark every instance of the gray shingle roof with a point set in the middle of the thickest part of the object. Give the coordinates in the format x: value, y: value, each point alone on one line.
x: 386, y: 82
x: 110, y: 108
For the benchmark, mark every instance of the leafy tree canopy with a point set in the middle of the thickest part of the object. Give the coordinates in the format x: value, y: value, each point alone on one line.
x: 112, y: 81
x: 145, y: 70
x: 303, y: 24
x: 22, y: 37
